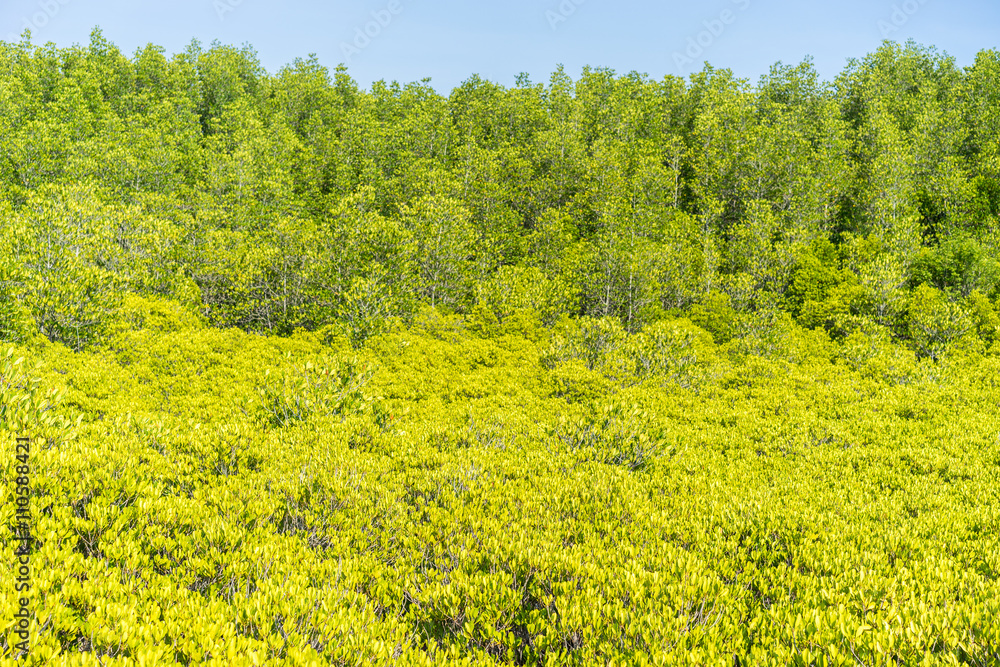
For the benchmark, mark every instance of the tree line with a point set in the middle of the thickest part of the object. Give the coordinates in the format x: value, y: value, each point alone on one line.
x: 276, y: 202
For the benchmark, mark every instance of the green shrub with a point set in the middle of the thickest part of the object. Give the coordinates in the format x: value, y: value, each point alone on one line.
x: 936, y: 324
x: 714, y: 313
x: 671, y: 352
x: 614, y: 434
x: 514, y: 289
x: 985, y: 319
x: 960, y: 264
x: 324, y: 388
x: 27, y: 407
x: 13, y: 318
x: 150, y: 313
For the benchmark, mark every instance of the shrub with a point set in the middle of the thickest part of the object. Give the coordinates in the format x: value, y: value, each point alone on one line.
x: 13, y: 318
x: 614, y: 434
x: 514, y: 289
x: 327, y: 387
x: 936, y: 324
x: 670, y: 352
x: 26, y: 406
x: 714, y: 313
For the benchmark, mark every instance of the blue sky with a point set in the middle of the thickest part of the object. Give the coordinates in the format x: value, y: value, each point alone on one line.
x: 449, y: 40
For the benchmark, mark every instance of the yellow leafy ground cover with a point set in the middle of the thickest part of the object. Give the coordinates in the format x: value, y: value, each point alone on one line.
x: 451, y: 495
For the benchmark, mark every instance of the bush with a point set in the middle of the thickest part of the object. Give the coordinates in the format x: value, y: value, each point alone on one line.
x: 614, y: 434
x: 151, y: 313
x: 936, y: 325
x: 26, y: 406
x: 715, y: 314
x: 593, y: 341
x: 671, y: 352
x: 513, y: 290
x: 63, y: 239
x: 328, y: 387
x: 816, y: 273
x: 984, y: 318
x: 13, y: 317
x: 960, y: 264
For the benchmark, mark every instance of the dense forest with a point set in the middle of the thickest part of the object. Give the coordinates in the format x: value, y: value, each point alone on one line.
x: 612, y: 371
x: 296, y: 200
